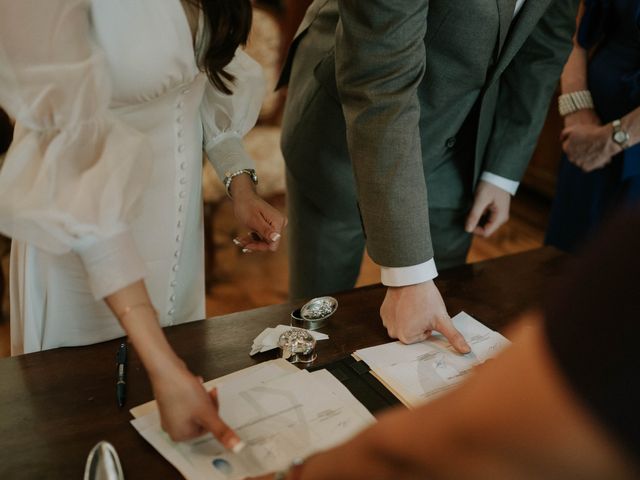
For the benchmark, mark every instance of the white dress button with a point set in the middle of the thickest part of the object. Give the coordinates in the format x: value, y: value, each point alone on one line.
x: 180, y: 119
x: 175, y: 268
x: 174, y: 283
x: 172, y: 311
x: 181, y: 148
x: 183, y: 181
x: 185, y: 91
x: 180, y: 104
x: 178, y: 238
x: 180, y: 208
x: 172, y: 299
x: 180, y: 133
x: 183, y: 166
x: 176, y: 253
x: 182, y: 194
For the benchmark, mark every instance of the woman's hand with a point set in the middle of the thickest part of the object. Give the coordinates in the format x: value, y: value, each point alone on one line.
x: 585, y: 116
x: 589, y: 146
x: 265, y: 222
x: 187, y: 410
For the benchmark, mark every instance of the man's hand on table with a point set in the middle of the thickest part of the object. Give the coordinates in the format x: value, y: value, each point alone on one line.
x: 413, y: 312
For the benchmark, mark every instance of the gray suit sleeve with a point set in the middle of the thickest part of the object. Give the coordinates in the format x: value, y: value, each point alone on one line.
x: 526, y: 87
x: 380, y: 61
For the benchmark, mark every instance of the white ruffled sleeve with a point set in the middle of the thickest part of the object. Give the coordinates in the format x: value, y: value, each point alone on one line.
x: 74, y: 173
x: 227, y: 118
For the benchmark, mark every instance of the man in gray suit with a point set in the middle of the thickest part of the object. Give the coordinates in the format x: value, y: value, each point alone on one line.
x: 391, y: 99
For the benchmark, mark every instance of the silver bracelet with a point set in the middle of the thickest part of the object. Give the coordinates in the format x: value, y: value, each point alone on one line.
x: 228, y: 177
x: 574, y: 101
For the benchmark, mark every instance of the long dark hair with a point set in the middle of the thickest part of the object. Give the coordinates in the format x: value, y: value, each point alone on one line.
x: 229, y: 23
x: 6, y: 132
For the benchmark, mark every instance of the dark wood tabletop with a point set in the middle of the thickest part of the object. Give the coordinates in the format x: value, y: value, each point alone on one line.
x: 55, y: 405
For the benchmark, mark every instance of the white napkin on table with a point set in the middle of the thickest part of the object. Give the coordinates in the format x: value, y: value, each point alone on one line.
x: 268, y: 339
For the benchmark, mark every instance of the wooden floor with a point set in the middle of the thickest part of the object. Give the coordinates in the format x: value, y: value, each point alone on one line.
x: 245, y: 281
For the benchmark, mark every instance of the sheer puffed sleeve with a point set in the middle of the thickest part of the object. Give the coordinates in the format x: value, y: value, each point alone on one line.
x: 227, y: 118
x: 74, y: 173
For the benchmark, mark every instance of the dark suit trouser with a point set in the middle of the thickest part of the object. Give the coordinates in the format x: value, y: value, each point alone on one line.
x: 326, y: 240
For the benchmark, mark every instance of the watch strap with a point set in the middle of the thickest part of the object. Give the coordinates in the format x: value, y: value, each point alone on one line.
x: 619, y: 135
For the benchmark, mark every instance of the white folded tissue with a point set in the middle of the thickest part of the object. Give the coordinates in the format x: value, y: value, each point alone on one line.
x: 268, y: 339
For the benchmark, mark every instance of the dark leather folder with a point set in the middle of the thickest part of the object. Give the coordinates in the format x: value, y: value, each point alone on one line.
x: 356, y: 376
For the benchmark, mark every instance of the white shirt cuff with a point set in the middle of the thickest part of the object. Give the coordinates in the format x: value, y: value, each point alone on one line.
x: 519, y: 4
x: 403, y: 276
x: 505, y: 184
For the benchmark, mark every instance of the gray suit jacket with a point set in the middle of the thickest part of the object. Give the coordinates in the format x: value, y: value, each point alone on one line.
x: 433, y: 93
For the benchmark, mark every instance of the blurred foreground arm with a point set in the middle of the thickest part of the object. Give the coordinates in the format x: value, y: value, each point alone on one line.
x: 515, y: 418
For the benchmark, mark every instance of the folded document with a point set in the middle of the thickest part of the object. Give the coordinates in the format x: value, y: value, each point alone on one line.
x: 419, y: 372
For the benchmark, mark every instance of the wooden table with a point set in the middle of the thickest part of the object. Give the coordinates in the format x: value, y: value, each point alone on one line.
x: 55, y: 405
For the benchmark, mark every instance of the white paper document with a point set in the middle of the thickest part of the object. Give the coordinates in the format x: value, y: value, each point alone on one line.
x: 279, y: 414
x: 419, y: 372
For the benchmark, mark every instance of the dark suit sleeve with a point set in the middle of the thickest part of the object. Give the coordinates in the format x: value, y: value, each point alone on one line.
x: 526, y: 87
x: 380, y: 61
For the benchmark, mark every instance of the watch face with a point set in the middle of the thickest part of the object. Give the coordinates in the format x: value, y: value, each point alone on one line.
x: 620, y: 137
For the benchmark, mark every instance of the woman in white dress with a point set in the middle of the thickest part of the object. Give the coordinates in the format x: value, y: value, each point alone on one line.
x: 114, y: 101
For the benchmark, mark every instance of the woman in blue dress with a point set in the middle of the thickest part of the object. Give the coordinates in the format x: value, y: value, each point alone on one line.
x: 600, y: 171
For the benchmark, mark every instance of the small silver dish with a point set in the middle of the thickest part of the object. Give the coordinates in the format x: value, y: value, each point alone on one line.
x: 314, y: 314
x: 297, y: 346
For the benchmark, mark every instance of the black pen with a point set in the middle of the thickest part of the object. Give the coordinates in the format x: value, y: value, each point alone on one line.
x: 121, y: 385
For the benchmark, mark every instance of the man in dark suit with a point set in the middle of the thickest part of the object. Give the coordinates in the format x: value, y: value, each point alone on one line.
x: 441, y: 96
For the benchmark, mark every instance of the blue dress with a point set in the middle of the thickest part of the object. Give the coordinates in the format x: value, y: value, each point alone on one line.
x: 610, y: 29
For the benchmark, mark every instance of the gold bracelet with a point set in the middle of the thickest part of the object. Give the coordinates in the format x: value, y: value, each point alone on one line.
x: 127, y: 310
